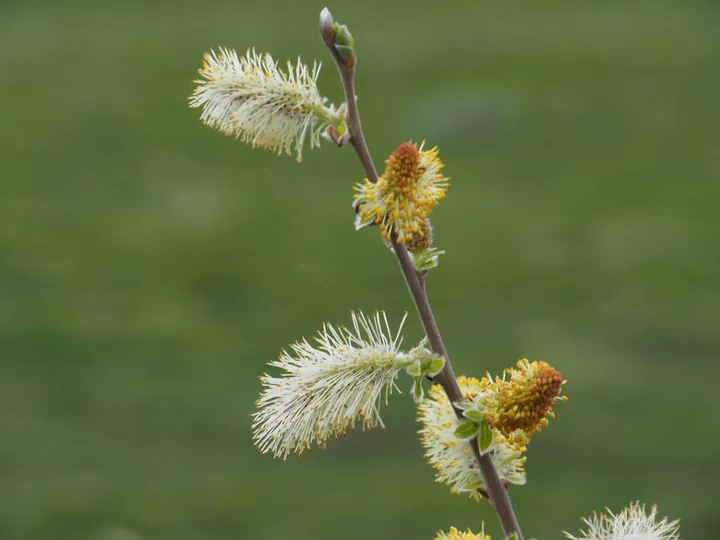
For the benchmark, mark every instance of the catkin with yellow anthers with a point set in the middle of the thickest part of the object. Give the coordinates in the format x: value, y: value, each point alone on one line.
x: 253, y: 99
x: 452, y: 459
x: 420, y: 240
x: 525, y: 400
x: 403, y: 197
x: 455, y: 534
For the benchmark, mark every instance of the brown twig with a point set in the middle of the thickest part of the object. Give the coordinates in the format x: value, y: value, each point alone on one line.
x: 496, y: 491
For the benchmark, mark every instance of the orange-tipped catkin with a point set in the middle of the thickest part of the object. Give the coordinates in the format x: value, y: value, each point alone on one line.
x: 404, y: 195
x: 526, y: 400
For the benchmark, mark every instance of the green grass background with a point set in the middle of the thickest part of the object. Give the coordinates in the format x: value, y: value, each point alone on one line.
x: 149, y: 266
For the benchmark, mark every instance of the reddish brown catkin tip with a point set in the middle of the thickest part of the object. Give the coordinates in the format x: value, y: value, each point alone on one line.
x: 525, y: 401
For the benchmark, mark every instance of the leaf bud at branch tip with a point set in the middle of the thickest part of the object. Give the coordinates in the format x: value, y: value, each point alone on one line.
x: 345, y: 45
x: 326, y: 24
x: 337, y: 37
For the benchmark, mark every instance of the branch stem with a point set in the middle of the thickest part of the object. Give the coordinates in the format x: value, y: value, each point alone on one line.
x: 496, y: 491
x: 347, y: 75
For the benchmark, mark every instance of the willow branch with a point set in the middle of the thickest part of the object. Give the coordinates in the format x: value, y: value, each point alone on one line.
x: 496, y: 491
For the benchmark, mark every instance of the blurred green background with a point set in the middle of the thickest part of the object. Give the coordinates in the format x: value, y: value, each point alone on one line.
x: 149, y: 266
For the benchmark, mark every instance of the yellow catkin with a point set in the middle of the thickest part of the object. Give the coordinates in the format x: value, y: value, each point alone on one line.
x: 525, y: 400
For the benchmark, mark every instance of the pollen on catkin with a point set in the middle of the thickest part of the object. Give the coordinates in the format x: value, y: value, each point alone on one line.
x: 327, y: 387
x: 252, y: 99
x: 403, y: 197
x: 633, y: 523
x: 454, y: 534
x: 525, y: 401
x: 453, y: 460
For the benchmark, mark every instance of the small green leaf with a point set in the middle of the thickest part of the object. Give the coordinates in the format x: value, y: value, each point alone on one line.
x: 414, y: 369
x: 426, y: 260
x: 474, y: 415
x: 517, y: 479
x: 485, y: 439
x: 467, y: 430
x: 464, y: 405
x: 513, y: 536
x: 417, y: 390
x: 436, y: 366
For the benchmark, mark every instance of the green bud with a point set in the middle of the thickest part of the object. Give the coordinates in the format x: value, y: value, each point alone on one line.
x: 341, y: 128
x: 344, y: 44
x: 343, y: 36
x: 326, y: 26
x: 513, y: 536
x: 326, y: 19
